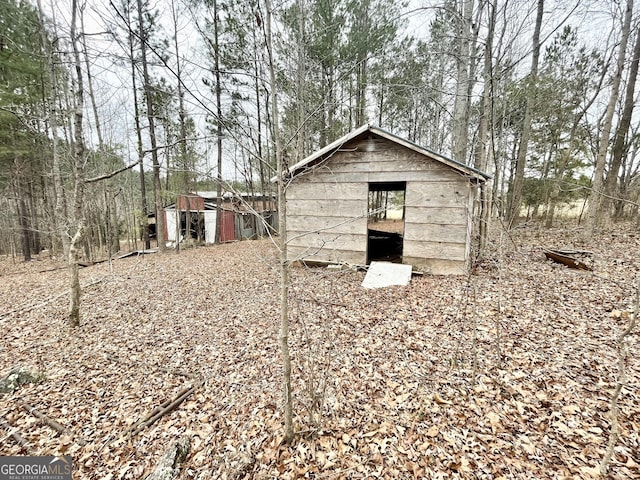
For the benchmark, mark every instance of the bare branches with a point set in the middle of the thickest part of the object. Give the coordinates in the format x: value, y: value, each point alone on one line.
x: 621, y: 345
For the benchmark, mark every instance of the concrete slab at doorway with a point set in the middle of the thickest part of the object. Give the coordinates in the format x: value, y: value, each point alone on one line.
x: 386, y: 274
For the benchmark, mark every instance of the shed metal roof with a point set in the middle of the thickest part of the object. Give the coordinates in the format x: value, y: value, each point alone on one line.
x: 336, y: 146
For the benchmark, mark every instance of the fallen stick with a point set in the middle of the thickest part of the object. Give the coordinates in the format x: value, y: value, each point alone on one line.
x: 91, y: 264
x: 614, y: 408
x: 155, y: 411
x: 172, y: 406
x: 53, y: 424
x: 163, y: 409
x: 20, y: 440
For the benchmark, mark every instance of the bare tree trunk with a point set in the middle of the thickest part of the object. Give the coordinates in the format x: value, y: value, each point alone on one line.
x: 301, y: 101
x: 35, y: 233
x: 364, y: 23
x: 282, y: 230
x: 144, y: 223
x: 115, y: 223
x: 60, y: 215
x: 261, y: 163
x: 461, y: 104
x: 186, y: 173
x: 178, y: 225
x: 361, y: 93
x: 595, y: 197
x: 74, y: 276
x: 18, y: 186
x: 48, y: 212
x: 480, y: 154
x: 157, y: 185
x: 555, y: 188
x: 111, y: 219
x: 620, y: 144
x: 216, y: 47
x: 92, y: 96
x: 79, y: 180
x: 108, y: 234
x: 515, y: 192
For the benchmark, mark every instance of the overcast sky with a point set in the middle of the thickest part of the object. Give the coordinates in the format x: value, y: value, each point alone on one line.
x: 112, y: 80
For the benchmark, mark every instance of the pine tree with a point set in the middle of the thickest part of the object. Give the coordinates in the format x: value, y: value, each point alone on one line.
x: 21, y: 134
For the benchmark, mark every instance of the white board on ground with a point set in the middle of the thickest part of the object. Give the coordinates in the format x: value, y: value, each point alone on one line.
x: 386, y: 274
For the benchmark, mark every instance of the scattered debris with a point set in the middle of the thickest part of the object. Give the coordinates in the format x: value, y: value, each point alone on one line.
x: 138, y: 252
x: 53, y: 424
x: 386, y: 274
x: 339, y: 267
x: 92, y: 263
x: 330, y: 265
x: 569, y: 258
x: 17, y: 377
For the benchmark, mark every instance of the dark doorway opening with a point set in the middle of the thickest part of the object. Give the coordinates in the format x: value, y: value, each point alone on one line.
x: 385, y: 225
x: 196, y: 225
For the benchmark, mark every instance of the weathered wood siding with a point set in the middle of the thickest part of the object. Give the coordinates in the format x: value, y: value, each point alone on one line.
x: 327, y: 207
x: 437, y: 219
x: 327, y: 221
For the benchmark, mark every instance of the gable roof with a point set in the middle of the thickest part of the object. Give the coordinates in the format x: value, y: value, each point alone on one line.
x: 335, y: 147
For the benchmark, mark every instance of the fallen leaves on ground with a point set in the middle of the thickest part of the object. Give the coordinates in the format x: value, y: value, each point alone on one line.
x: 505, y: 374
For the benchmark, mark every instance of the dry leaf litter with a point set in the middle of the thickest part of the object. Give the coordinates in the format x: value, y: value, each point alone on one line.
x: 507, y: 373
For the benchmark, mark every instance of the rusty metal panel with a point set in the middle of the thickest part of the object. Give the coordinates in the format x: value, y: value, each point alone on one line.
x: 568, y: 258
x: 190, y: 202
x: 227, y: 226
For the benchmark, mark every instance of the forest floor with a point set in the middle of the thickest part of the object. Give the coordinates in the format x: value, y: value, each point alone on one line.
x: 507, y: 373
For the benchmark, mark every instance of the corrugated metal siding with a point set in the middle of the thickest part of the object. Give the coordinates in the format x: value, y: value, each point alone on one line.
x: 190, y: 202
x: 227, y: 226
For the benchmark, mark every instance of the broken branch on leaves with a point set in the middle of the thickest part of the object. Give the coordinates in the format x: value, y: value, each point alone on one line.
x: 161, y: 410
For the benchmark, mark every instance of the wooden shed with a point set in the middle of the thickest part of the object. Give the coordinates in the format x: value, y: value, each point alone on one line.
x: 374, y: 196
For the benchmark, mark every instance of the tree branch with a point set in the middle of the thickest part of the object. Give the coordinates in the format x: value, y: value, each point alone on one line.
x: 20, y: 440
x: 106, y: 176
